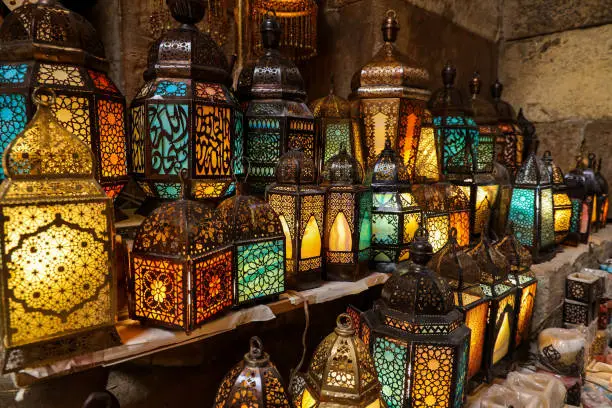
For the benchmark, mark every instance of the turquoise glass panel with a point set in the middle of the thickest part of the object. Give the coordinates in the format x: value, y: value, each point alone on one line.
x: 261, y: 270
x: 390, y: 361
x: 169, y: 133
x: 576, y: 209
x: 230, y: 190
x: 521, y: 214
x: 336, y: 135
x: 454, y: 120
x: 168, y: 191
x: 462, y: 371
x: 12, y: 120
x: 238, y: 143
x: 365, y: 221
x: 263, y: 151
x: 264, y: 124
x: 547, y: 227
x: 386, y: 200
x: 13, y: 73
x: 171, y: 88
x: 385, y: 229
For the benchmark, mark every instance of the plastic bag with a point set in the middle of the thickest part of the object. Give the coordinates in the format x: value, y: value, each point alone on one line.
x: 546, y: 390
x: 500, y: 396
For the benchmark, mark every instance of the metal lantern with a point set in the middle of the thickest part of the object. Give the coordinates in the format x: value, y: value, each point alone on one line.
x: 582, y: 188
x: 299, y: 204
x: 501, y: 207
x: 562, y: 205
x: 45, y: 44
x: 463, y: 275
x: 181, y: 266
x: 589, y: 173
x: 341, y: 373
x: 392, y: 95
x: 56, y: 229
x: 277, y: 119
x: 253, y: 382
x: 417, y: 337
x: 485, y: 115
x: 511, y: 147
x: 185, y: 116
x: 603, y: 199
x: 259, y: 247
x: 427, y: 168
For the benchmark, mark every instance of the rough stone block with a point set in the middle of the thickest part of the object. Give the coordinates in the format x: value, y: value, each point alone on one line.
x: 598, y: 138
x: 563, y: 140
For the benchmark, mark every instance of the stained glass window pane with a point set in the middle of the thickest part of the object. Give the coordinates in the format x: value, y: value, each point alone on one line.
x: 462, y: 371
x: 60, y: 75
x: 260, y: 270
x: 169, y: 134
x: 171, y: 88
x: 12, y: 119
x: 547, y: 227
x: 476, y: 320
x: 522, y: 208
x: 385, y: 229
x: 525, y: 312
x: 238, y: 142
x: 138, y: 142
x: 411, y: 224
x: 438, y: 228
x: 390, y: 361
x: 336, y: 134
x: 576, y: 209
x: 103, y: 82
x: 213, y: 286
x: 11, y: 74
x: 212, y: 140
x: 427, y: 166
x: 170, y: 191
x: 113, y: 155
x: 432, y: 375
x: 365, y: 221
x: 263, y: 151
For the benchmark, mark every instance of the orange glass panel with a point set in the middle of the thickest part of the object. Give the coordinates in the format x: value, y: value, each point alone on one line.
x: 461, y: 222
x: 213, y: 286
x: 525, y: 313
x: 113, y: 157
x: 476, y: 320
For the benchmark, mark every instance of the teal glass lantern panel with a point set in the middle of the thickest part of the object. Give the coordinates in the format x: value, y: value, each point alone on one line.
x: 238, y: 142
x: 462, y: 371
x: 263, y: 151
x: 169, y: 135
x: 13, y: 74
x: 522, y: 214
x: 170, y: 191
x: 260, y: 270
x: 365, y: 225
x: 171, y: 88
x: 13, y: 120
x: 336, y: 134
x: 547, y: 229
x: 485, y: 152
x: 386, y: 201
x: 385, y: 229
x: 390, y: 360
x: 575, y: 219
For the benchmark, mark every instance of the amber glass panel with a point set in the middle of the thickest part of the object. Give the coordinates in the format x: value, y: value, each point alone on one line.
x: 212, y: 141
x: 427, y: 165
x: 503, y: 323
x: 213, y: 284
x: 113, y: 157
x: 432, y: 375
x: 340, y: 235
x: 476, y: 320
x: 525, y: 313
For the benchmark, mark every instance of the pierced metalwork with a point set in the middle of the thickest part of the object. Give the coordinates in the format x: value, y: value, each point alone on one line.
x: 512, y: 146
x: 562, y: 204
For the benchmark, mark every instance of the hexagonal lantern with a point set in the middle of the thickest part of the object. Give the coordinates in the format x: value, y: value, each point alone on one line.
x: 562, y: 205
x: 511, y: 149
x: 501, y: 207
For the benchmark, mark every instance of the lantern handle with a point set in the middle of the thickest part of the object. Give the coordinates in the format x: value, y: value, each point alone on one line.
x: 255, y: 348
x: 344, y: 322
x: 391, y: 13
x: 184, y: 175
x: 37, y: 96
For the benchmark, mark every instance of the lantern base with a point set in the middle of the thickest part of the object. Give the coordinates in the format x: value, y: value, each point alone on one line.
x: 347, y: 272
x: 544, y: 255
x: 46, y: 352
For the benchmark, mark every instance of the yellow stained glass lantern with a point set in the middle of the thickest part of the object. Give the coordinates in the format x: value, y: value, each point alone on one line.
x: 417, y: 338
x: 501, y: 207
x: 299, y: 204
x: 511, y: 145
x: 393, y: 93
x: 348, y: 222
x: 45, y: 44
x: 253, y: 382
x: 341, y: 373
x: 562, y: 205
x: 58, y: 276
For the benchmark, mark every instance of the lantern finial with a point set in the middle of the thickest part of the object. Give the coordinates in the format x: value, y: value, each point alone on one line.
x: 270, y: 31
x: 344, y: 325
x: 187, y: 12
x: 496, y: 90
x: 449, y: 73
x: 390, y: 26
x: 421, y: 250
x: 475, y: 84
x: 256, y: 356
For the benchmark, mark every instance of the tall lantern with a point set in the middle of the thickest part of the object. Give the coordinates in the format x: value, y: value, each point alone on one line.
x: 277, y: 119
x: 417, y: 337
x: 511, y: 147
x: 562, y: 205
x: 56, y: 226
x: 348, y: 222
x: 185, y: 116
x: 603, y: 201
x: 45, y: 44
x: 589, y: 173
x: 582, y: 189
x: 531, y: 208
x: 299, y: 204
x: 181, y: 266
x: 341, y: 373
x: 392, y: 95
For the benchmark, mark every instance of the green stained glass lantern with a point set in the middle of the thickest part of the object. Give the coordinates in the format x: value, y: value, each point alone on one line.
x: 299, y: 204
x: 348, y: 222
x: 603, y: 202
x: 562, y: 205
x: 47, y: 45
x: 501, y: 207
x: 582, y: 188
x: 395, y: 212
x: 417, y: 337
x: 277, y: 118
x: 531, y: 208
x: 185, y: 116
x: 511, y: 143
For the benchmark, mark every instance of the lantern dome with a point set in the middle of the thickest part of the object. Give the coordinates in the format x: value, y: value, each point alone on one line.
x: 533, y: 172
x: 454, y: 264
x: 505, y: 111
x: 519, y: 258
x: 331, y: 106
x: 343, y: 169
x: 249, y: 218
x: 294, y: 167
x: 501, y: 174
x: 494, y: 266
x: 555, y: 171
x: 389, y: 168
x: 483, y: 110
x: 448, y: 99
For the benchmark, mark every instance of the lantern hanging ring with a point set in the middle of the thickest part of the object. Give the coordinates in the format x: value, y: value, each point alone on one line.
x: 39, y: 100
x: 255, y: 348
x: 344, y: 322
x: 391, y: 13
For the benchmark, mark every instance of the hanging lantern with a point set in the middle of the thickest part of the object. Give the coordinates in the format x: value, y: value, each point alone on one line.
x: 348, y: 223
x: 181, y: 266
x: 392, y: 95
x: 463, y: 275
x: 395, y: 212
x: 277, y: 119
x: 511, y: 146
x: 582, y: 188
x: 259, y: 247
x: 562, y: 205
x: 417, y: 337
x: 341, y: 373
x: 603, y: 199
x: 184, y: 116
x: 58, y: 274
x: 501, y: 207
x: 335, y: 127
x: 299, y: 204
x: 45, y: 44
x: 253, y: 382
x: 531, y: 208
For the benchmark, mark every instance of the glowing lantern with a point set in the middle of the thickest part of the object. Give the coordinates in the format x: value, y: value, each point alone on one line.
x: 603, y: 199
x: 417, y: 337
x: 253, y: 382
x: 58, y: 275
x: 582, y: 188
x: 45, y: 44
x: 392, y: 95
x: 341, y: 373
x: 277, y: 119
x: 485, y: 115
x: 299, y: 204
x: 562, y: 205
x: 531, y: 208
x: 185, y: 116
x: 501, y: 206
x: 427, y: 169
x: 511, y: 147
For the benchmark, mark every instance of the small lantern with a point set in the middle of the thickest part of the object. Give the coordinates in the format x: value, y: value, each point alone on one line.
x: 341, y: 373
x: 531, y: 208
x: 510, y: 145
x: 417, y: 337
x: 299, y: 204
x: 589, y: 173
x: 427, y: 168
x: 603, y: 200
x: 181, y: 266
x: 562, y: 205
x: 485, y: 115
x: 45, y: 44
x: 392, y: 95
x: 253, y: 382
x: 277, y: 119
x: 582, y: 189
x: 56, y: 227
x: 259, y: 248
x: 185, y: 116
x: 348, y: 223
x: 463, y: 275
x: 504, y: 196
x: 395, y: 212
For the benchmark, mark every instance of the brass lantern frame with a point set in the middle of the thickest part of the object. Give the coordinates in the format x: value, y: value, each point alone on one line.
x: 562, y: 205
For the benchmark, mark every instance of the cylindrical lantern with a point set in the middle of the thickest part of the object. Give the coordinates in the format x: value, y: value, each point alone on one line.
x: 56, y: 230
x: 417, y: 337
x: 44, y: 44
x: 341, y: 373
x: 392, y: 95
x: 504, y: 196
x: 395, y: 212
x: 185, y: 116
x: 562, y: 205
x: 299, y: 204
x: 603, y: 201
x: 510, y: 145
x: 253, y: 382
x: 582, y: 189
x: 277, y: 119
